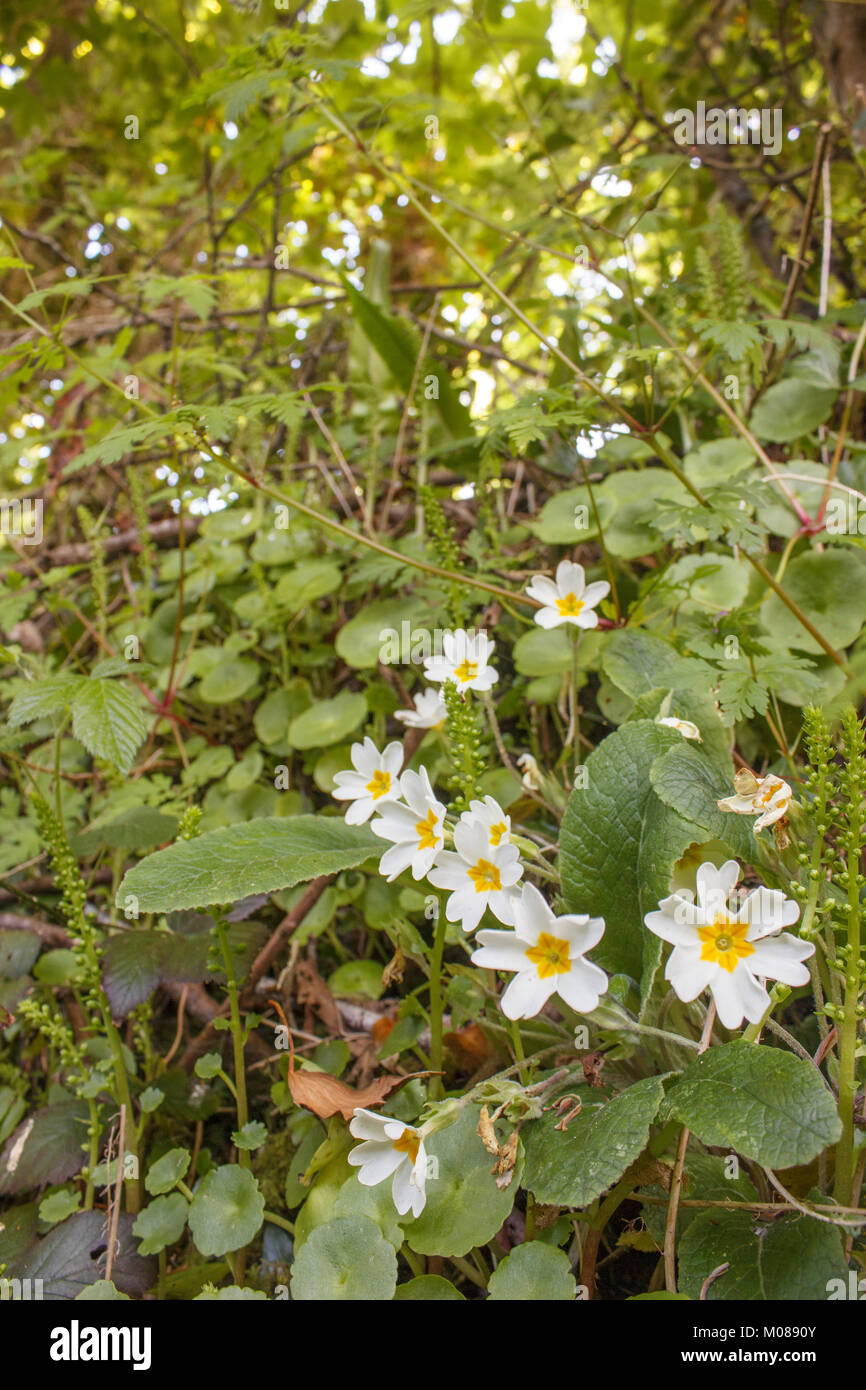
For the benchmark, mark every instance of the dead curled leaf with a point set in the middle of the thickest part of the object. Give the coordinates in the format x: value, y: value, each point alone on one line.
x: 503, y: 1168
x: 393, y: 972
x: 506, y: 1154
x: 325, y: 1095
x: 568, y: 1108
x: 486, y: 1132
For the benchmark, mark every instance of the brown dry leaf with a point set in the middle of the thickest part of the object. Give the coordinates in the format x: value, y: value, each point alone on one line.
x: 381, y: 1028
x: 468, y: 1046
x: 393, y: 972
x: 593, y: 1066
x: 486, y: 1132
x: 503, y: 1168
x: 545, y: 1216
x: 325, y: 1095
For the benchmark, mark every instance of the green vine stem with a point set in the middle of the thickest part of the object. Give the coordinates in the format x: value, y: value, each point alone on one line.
x: 236, y: 1027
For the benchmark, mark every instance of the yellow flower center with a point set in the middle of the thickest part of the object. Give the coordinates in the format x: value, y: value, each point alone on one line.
x: 725, y: 942
x: 466, y: 671
x: 570, y: 606
x: 408, y: 1143
x: 496, y: 832
x: 380, y: 784
x: 485, y: 876
x: 426, y: 831
x: 550, y: 956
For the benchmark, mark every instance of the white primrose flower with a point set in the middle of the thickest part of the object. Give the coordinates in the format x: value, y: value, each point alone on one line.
x: 568, y: 598
x: 464, y: 661
x: 683, y: 726
x: 491, y: 817
x: 416, y: 830
x: 376, y: 779
x: 479, y: 876
x: 390, y: 1147
x: 429, y: 713
x: 731, y: 953
x: 768, y: 798
x: 547, y: 953
x: 531, y: 772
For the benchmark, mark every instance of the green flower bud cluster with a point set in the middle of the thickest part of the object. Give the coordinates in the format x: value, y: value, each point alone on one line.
x: 463, y: 727
x: 55, y: 1030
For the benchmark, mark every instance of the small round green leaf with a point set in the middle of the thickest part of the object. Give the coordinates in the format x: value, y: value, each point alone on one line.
x: 533, y: 1273
x: 464, y: 1207
x: 161, y: 1223
x: 345, y: 1259
x: 328, y: 721
x: 428, y: 1287
x: 226, y: 1211
x: 167, y: 1171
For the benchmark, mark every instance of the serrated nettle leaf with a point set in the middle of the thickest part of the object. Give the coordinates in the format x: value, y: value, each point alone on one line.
x: 760, y: 1101
x: 134, y: 963
x: 574, y: 1166
x: 619, y: 843
x: 234, y: 861
x: 43, y: 698
x: 107, y: 719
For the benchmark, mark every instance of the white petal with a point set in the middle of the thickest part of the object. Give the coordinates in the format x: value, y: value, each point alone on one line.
x: 396, y: 860
x: 466, y: 907
x: 349, y: 784
x: 502, y: 906
x: 449, y: 871
x: 781, y: 958
x: 366, y: 1124
x: 407, y: 1196
x: 582, y: 986
x: 532, y: 915
x: 581, y: 933
x: 500, y: 950
x: 470, y: 841
x: 378, y: 1166
x: 543, y: 589
x: 737, y: 995
x: 715, y: 885
x: 549, y: 618
x: 665, y: 923
x: 570, y: 578
x: 767, y: 910
x: 527, y: 995
x: 594, y: 593
x: 688, y: 974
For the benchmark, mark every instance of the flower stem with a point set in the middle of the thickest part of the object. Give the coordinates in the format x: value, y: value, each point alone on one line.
x: 237, y: 1029
x: 517, y: 1044
x: 845, y: 1158
x: 437, y: 1088
x: 670, y: 1253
